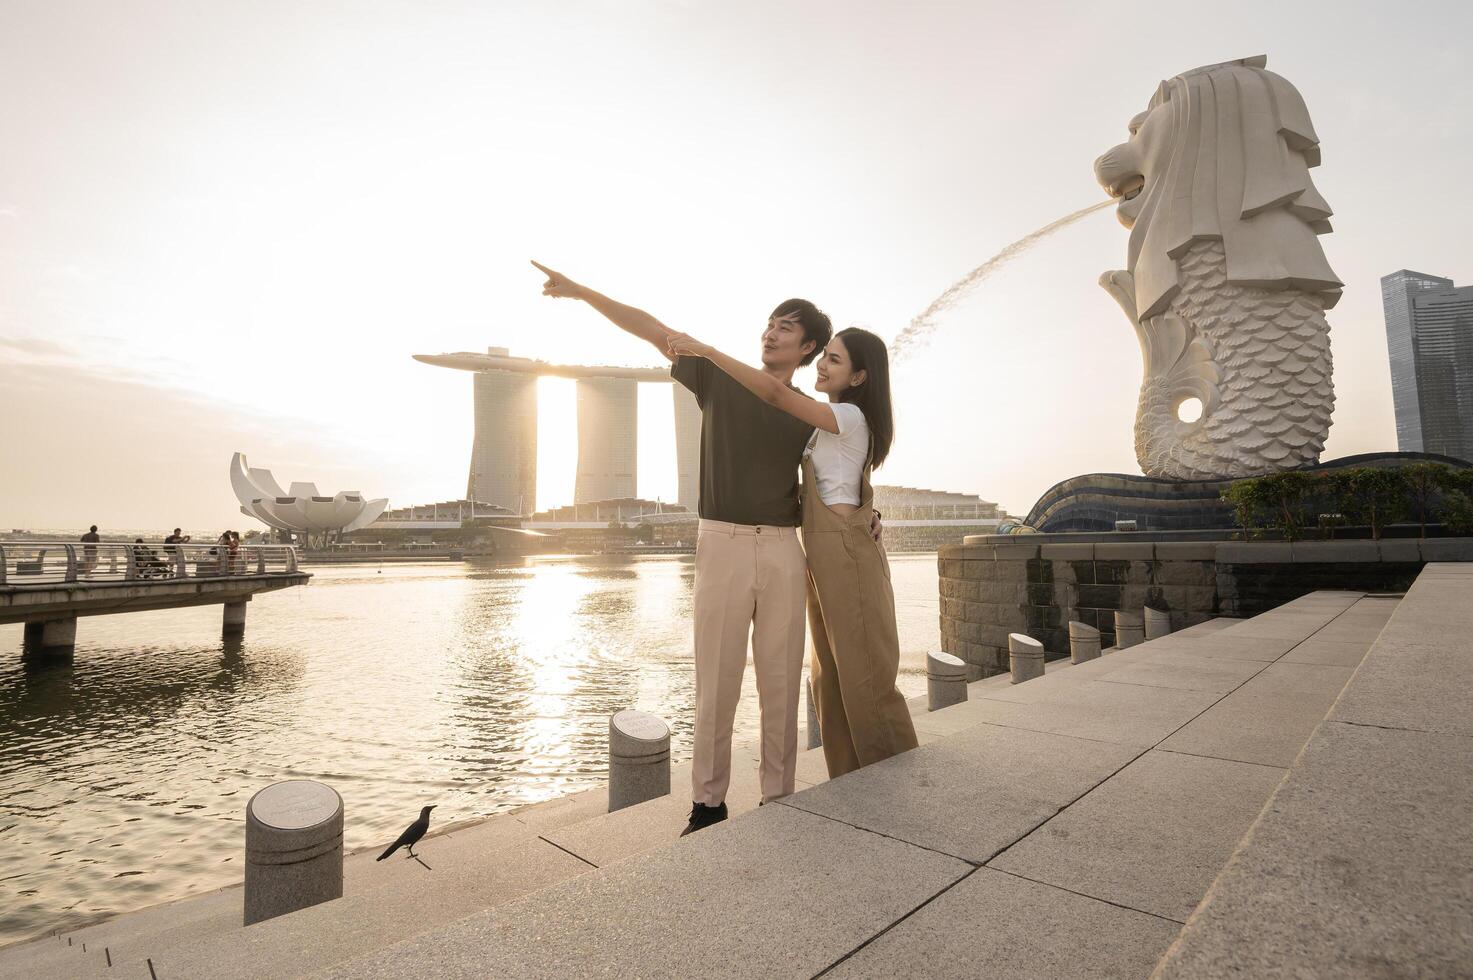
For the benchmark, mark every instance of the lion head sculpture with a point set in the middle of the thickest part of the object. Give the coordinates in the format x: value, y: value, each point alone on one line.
x: 1226, y: 283
x: 1222, y: 152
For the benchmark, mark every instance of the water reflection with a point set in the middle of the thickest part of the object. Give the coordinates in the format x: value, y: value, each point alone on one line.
x: 124, y: 771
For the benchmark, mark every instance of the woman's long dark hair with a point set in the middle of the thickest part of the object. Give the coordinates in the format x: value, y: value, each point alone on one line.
x: 867, y: 353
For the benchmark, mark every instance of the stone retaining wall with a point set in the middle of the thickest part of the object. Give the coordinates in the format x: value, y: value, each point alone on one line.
x: 993, y: 585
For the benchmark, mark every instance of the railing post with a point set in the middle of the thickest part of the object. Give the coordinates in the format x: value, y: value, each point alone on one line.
x: 291, y: 558
x: 130, y: 571
x: 260, y: 560
x: 2, y: 565
x: 71, y: 563
x: 181, y: 565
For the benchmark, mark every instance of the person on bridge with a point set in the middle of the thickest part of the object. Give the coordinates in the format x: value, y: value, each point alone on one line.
x: 176, y: 539
x: 89, y: 549
x: 147, y: 562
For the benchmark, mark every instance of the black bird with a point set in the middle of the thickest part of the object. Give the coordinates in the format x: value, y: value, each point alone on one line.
x: 411, y: 834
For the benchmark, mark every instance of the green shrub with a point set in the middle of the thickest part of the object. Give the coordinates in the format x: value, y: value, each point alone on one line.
x: 1374, y: 496
x: 1425, y: 483
x: 1280, y: 500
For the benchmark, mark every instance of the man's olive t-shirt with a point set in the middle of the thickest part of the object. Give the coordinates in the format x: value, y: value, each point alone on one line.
x: 750, y: 450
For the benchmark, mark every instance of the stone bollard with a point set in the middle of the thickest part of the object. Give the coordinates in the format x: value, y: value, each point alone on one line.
x: 639, y: 759
x: 294, y: 848
x: 1128, y: 629
x: 1026, y: 655
x: 946, y: 681
x: 1157, y: 623
x: 1084, y: 642
x: 815, y: 736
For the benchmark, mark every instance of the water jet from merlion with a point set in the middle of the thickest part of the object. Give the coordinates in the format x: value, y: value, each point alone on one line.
x: 920, y: 329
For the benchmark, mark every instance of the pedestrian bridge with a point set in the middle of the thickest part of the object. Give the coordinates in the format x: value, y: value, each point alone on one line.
x: 48, y: 584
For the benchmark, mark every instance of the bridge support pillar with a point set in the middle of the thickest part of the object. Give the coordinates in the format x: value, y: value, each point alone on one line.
x: 52, y: 637
x: 235, y: 618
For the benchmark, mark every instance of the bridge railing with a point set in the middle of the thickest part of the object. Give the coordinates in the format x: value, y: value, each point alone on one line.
x: 59, y: 562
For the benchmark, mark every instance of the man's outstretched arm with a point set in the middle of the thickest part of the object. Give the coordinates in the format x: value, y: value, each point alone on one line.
x: 627, y: 318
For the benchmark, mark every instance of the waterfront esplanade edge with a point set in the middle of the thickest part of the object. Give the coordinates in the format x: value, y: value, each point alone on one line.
x: 503, y: 467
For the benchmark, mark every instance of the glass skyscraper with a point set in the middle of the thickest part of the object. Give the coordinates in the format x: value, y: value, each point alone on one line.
x: 1429, y: 337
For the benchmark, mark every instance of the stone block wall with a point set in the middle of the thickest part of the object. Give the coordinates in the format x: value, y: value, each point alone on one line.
x: 993, y: 585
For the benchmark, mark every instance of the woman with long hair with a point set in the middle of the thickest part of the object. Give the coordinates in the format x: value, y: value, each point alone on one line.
x: 851, y: 606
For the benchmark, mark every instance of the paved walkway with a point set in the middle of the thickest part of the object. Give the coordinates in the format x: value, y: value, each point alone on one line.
x: 1362, y: 864
x: 1051, y: 833
x: 1068, y: 826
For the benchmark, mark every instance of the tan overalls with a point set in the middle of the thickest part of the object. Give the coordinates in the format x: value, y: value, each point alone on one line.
x: 856, y: 648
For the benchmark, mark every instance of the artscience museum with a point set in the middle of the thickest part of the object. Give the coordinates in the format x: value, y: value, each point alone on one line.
x: 299, y: 509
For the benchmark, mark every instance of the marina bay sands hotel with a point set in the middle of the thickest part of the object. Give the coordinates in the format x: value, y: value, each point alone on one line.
x: 504, y: 455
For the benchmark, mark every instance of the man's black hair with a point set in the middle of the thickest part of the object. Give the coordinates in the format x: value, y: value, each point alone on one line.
x: 815, y: 324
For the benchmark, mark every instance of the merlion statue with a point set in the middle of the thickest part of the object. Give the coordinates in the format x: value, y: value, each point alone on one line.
x: 1227, y: 285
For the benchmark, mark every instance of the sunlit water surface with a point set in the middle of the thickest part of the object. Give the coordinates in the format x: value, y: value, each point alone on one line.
x: 124, y: 773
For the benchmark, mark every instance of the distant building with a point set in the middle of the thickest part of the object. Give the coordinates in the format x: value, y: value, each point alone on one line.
x: 608, y: 439
x: 912, y: 504
x: 1429, y: 340
x: 504, y: 450
x: 300, y: 509
x: 445, y: 514
x: 622, y: 509
x: 504, y: 453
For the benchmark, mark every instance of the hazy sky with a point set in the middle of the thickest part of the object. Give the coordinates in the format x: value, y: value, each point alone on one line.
x: 227, y: 226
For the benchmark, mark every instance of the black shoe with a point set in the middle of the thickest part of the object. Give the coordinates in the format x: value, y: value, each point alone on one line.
x: 703, y: 816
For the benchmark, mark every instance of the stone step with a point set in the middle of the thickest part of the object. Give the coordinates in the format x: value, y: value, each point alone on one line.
x: 188, y: 936
x: 197, y: 919
x: 1147, y: 695
x: 579, y: 823
x: 1358, y: 866
x: 92, y: 946
x: 1059, y: 801
x: 314, y: 938
x: 44, y: 956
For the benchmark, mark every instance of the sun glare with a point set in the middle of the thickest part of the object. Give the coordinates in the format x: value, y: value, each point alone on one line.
x: 557, y: 442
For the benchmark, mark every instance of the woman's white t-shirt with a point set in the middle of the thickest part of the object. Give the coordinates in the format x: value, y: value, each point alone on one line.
x: 838, y: 457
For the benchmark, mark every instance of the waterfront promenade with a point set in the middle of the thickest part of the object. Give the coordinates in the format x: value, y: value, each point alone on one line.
x: 1271, y: 797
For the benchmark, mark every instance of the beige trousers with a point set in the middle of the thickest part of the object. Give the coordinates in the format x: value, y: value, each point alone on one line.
x: 750, y: 581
